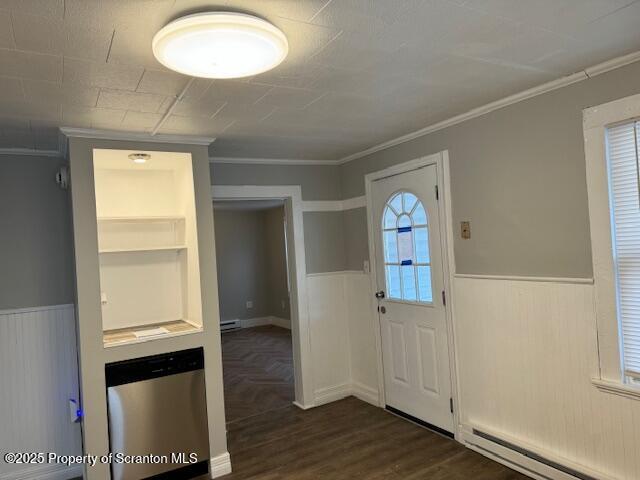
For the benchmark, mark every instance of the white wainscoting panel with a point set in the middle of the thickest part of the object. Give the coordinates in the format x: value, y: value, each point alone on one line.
x: 527, y: 353
x: 342, y: 340
x: 329, y: 334
x: 364, y: 360
x: 39, y: 373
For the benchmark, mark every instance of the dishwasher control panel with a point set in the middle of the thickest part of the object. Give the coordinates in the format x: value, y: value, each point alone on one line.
x: 155, y: 366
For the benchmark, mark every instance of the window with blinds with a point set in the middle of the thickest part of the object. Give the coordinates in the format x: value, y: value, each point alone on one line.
x: 622, y: 154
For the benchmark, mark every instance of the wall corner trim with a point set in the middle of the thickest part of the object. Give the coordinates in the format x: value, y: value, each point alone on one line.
x: 72, y: 132
x: 585, y: 74
x: 220, y: 465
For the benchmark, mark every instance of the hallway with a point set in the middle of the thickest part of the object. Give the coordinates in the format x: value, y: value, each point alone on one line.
x: 258, y: 371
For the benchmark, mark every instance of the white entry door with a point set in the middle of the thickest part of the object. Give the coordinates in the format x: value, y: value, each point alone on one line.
x: 409, y: 272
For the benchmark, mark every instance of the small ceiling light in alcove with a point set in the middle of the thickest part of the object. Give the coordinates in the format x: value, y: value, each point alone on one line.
x: 220, y: 45
x: 139, y: 157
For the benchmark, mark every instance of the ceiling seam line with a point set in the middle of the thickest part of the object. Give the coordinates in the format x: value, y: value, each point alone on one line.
x: 320, y: 11
x: 172, y: 107
x: 113, y: 35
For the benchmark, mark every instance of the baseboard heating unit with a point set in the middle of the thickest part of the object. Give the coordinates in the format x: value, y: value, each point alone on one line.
x: 532, y: 455
x: 227, y: 325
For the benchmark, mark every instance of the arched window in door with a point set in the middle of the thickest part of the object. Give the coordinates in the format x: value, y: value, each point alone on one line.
x: 405, y: 239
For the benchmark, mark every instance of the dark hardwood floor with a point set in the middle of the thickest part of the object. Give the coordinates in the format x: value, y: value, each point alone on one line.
x: 350, y: 439
x: 258, y: 371
x: 271, y: 439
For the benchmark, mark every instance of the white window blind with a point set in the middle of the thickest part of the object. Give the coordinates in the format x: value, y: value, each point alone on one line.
x: 622, y: 154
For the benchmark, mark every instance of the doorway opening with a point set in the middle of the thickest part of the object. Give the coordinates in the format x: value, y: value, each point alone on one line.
x: 255, y: 310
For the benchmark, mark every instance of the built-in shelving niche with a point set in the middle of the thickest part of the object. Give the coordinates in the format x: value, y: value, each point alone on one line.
x: 147, y: 246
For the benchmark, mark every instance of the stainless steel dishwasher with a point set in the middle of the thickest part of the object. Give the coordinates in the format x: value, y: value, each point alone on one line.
x: 157, y: 407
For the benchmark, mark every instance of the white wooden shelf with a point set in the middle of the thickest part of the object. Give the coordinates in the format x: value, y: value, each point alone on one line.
x: 170, y: 218
x: 144, y: 249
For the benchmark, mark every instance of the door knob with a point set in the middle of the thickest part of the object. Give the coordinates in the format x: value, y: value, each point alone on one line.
x: 380, y: 294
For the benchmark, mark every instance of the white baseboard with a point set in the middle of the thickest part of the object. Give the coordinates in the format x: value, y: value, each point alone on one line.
x: 261, y: 321
x: 332, y: 394
x: 220, y: 465
x: 343, y: 390
x: 280, y: 322
x: 303, y: 407
x: 365, y: 393
x: 44, y: 472
x: 255, y: 322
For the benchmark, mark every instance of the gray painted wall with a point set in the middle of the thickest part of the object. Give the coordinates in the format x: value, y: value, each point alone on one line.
x: 518, y: 174
x: 250, y: 253
x: 356, y: 241
x: 36, y: 241
x: 324, y: 242
x: 319, y: 182
x: 336, y: 241
x: 240, y: 255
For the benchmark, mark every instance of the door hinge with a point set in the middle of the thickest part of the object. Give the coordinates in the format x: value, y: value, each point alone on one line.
x: 437, y: 193
x: 451, y: 404
x: 444, y: 298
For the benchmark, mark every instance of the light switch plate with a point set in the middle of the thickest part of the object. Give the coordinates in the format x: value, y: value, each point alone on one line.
x: 465, y: 230
x: 249, y: 303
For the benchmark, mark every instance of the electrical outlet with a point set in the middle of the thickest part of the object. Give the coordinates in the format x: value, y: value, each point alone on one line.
x: 365, y: 266
x: 465, y: 230
x: 249, y: 303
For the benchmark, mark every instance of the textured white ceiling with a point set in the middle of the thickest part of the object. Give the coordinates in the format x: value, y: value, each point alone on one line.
x: 360, y: 72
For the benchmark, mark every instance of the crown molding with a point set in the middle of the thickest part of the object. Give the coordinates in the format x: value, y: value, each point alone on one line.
x: 30, y: 152
x: 271, y: 161
x: 612, y: 64
x: 580, y: 76
x: 136, y: 137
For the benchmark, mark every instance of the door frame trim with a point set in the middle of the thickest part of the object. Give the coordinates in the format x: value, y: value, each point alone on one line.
x: 300, y: 325
x: 441, y: 161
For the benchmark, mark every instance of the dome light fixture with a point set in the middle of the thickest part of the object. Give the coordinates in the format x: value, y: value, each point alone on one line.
x: 139, y: 158
x: 220, y: 45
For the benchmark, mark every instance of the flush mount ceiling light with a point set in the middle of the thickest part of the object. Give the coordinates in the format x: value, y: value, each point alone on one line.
x: 220, y: 45
x: 139, y: 157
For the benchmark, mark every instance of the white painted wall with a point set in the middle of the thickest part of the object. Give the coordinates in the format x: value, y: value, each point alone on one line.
x: 362, y: 341
x: 527, y: 353
x: 329, y: 336
x: 38, y: 368
x: 342, y: 340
